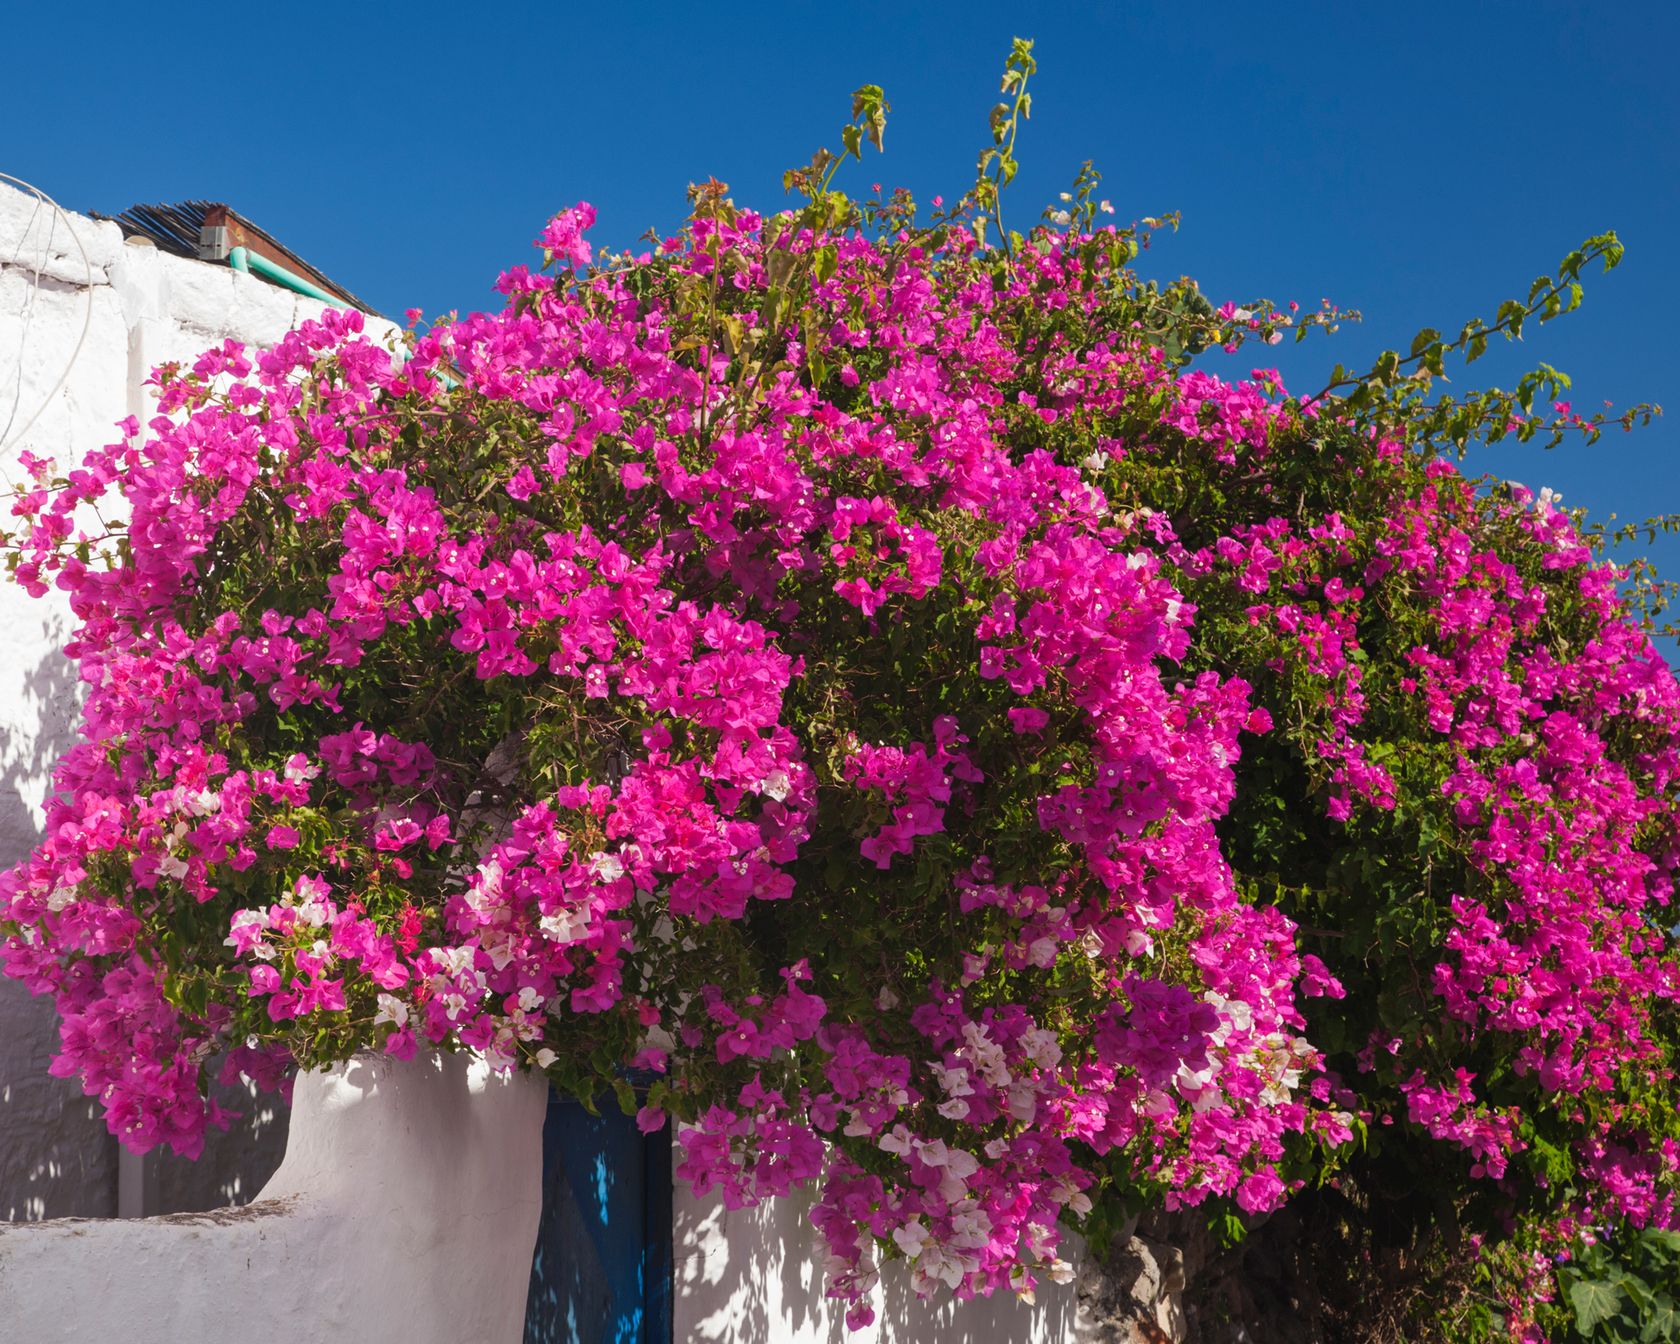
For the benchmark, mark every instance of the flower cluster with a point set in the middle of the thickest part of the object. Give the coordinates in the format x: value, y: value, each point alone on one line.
x: 852, y: 692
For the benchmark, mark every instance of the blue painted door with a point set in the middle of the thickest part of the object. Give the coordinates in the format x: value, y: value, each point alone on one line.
x: 601, y: 1273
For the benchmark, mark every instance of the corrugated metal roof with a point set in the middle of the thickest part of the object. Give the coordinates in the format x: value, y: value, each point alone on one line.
x: 181, y: 229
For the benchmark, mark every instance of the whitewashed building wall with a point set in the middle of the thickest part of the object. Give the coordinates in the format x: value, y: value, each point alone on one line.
x: 84, y: 318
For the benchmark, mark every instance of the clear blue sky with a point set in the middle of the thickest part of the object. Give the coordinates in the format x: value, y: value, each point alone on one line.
x: 1419, y: 162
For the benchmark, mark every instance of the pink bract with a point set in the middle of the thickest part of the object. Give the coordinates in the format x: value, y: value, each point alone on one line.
x: 799, y: 723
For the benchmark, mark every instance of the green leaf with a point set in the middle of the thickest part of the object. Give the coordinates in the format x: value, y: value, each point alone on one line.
x: 1595, y: 1302
x: 1637, y: 1291
x: 1229, y: 1229
x: 1662, y: 1321
x: 1425, y: 338
x: 1661, y: 1236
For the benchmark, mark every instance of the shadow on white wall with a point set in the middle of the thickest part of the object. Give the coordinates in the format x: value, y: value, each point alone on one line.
x: 754, y: 1276
x: 57, y: 1158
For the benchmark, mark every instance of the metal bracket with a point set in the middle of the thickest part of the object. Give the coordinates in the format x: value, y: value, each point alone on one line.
x: 213, y: 242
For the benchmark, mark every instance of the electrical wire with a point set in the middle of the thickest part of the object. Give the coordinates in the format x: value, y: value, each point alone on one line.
x: 7, y: 439
x: 28, y: 310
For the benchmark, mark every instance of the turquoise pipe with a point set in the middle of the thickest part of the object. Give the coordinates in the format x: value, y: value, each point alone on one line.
x: 243, y: 259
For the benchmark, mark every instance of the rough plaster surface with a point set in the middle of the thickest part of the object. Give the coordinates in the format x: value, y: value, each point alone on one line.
x: 1137, y: 1296
x: 406, y: 1209
x: 129, y: 307
x: 56, y: 1160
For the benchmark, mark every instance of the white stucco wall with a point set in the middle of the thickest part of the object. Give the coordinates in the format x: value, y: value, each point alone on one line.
x: 130, y: 307
x: 404, y: 1213
x: 754, y: 1276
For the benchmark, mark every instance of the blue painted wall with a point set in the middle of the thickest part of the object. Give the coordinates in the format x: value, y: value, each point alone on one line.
x: 601, y: 1273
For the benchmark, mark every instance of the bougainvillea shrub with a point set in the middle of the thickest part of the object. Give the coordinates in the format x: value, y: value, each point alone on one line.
x: 865, y: 692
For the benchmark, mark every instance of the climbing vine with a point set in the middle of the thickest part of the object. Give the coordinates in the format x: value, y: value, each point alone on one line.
x: 851, y: 681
